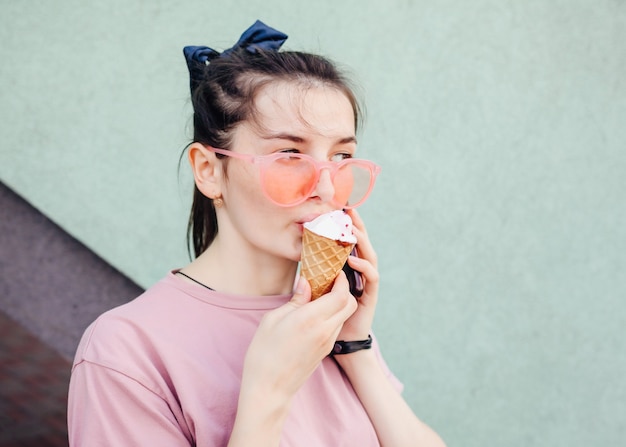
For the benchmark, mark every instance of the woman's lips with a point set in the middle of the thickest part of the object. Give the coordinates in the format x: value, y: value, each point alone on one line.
x: 307, y: 218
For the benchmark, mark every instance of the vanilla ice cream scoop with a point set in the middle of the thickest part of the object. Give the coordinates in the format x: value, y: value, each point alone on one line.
x: 335, y: 225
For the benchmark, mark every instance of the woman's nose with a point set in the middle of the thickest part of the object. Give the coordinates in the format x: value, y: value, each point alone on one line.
x: 325, y: 189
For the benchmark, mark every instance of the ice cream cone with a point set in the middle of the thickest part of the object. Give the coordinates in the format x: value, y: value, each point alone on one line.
x: 322, y: 259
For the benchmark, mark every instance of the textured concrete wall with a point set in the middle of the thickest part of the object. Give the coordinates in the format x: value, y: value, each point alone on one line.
x: 499, y: 216
x: 51, y: 283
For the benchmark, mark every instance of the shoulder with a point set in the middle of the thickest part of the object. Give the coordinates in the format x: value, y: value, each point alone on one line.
x: 130, y: 330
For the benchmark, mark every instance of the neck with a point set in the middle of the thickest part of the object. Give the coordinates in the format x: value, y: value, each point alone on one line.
x: 237, y: 271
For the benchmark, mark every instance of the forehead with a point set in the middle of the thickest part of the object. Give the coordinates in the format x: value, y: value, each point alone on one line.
x: 303, y: 107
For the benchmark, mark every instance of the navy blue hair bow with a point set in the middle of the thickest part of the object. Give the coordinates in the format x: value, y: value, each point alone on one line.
x: 258, y: 36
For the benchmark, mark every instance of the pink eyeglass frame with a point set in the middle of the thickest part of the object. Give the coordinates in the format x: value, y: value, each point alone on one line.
x: 333, y: 167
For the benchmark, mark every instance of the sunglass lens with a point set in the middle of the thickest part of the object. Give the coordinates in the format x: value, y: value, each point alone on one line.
x: 352, y: 183
x: 288, y: 180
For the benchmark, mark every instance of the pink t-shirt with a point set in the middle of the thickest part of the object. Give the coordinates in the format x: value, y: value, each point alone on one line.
x: 165, y: 369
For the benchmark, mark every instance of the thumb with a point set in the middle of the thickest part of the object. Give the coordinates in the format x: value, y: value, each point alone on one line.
x: 302, y: 294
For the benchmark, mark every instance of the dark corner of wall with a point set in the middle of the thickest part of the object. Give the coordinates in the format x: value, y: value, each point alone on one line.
x: 50, y: 283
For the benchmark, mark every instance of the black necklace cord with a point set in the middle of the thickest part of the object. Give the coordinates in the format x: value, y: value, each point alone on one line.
x: 194, y: 280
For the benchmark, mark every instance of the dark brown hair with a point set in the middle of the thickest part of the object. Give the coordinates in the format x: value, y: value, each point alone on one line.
x: 224, y: 97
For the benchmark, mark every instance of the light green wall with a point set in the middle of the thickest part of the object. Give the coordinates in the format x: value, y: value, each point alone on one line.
x: 498, y: 219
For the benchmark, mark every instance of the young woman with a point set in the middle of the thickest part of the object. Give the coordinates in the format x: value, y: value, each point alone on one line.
x: 229, y: 350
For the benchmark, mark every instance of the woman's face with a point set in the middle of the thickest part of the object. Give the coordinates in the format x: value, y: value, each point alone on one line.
x: 315, y: 120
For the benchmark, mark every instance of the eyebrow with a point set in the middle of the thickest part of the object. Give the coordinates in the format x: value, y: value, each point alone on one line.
x: 297, y: 139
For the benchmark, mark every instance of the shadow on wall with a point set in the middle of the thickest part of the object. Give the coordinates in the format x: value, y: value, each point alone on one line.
x: 52, y: 284
x: 33, y: 389
x: 51, y: 288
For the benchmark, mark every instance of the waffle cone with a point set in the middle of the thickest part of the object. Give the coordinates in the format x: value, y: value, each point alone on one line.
x: 322, y: 259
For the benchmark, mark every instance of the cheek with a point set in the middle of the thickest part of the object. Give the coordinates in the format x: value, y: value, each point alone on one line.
x: 245, y: 198
x: 265, y: 226
x: 242, y: 184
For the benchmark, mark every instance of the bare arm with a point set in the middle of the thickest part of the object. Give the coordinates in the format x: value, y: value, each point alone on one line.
x: 395, y: 423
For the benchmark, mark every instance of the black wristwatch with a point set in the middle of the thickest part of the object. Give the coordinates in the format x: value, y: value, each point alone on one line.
x: 348, y: 347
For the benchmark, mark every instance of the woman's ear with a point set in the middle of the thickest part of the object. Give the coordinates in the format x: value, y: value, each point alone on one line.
x: 207, y: 171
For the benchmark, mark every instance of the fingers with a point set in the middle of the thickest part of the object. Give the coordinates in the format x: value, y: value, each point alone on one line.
x: 367, y: 269
x: 308, y: 328
x: 302, y: 294
x: 370, y: 280
x: 366, y: 263
x: 340, y: 294
x: 337, y: 305
x: 364, y: 246
x: 326, y: 313
x: 356, y: 218
x: 334, y: 308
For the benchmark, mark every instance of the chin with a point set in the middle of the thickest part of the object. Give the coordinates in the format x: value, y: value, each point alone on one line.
x: 295, y: 257
x: 296, y: 254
